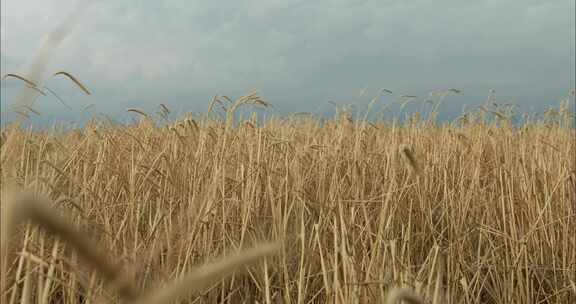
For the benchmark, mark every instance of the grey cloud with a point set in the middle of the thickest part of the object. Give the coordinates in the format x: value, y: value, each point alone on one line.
x: 300, y: 52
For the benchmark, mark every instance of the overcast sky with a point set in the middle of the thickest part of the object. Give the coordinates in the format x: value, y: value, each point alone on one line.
x: 298, y: 54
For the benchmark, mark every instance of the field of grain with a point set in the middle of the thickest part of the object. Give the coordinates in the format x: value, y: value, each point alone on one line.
x: 338, y: 211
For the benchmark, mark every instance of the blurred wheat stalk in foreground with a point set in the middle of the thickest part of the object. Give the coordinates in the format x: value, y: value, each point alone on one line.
x: 20, y: 207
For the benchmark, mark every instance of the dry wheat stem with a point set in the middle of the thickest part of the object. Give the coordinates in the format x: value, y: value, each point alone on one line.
x: 208, y: 274
x: 76, y: 81
x: 403, y: 294
x: 410, y: 159
x: 27, y: 206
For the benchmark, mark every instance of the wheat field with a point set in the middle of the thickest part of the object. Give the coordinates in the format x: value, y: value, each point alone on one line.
x: 336, y: 211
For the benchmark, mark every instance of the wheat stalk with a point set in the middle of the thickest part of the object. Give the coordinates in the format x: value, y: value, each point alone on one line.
x: 207, y: 274
x: 27, y: 206
x: 29, y: 82
x: 137, y: 111
x: 76, y: 81
x: 410, y: 159
x: 403, y: 294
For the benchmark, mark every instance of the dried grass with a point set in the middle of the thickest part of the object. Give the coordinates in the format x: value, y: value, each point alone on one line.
x: 20, y: 207
x: 490, y: 217
x: 76, y: 81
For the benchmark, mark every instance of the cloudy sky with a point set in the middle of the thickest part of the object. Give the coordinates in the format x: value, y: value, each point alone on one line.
x: 297, y: 54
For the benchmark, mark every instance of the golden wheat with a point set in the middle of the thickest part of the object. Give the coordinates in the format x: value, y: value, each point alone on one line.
x: 76, y: 81
x: 489, y: 219
x: 20, y: 207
